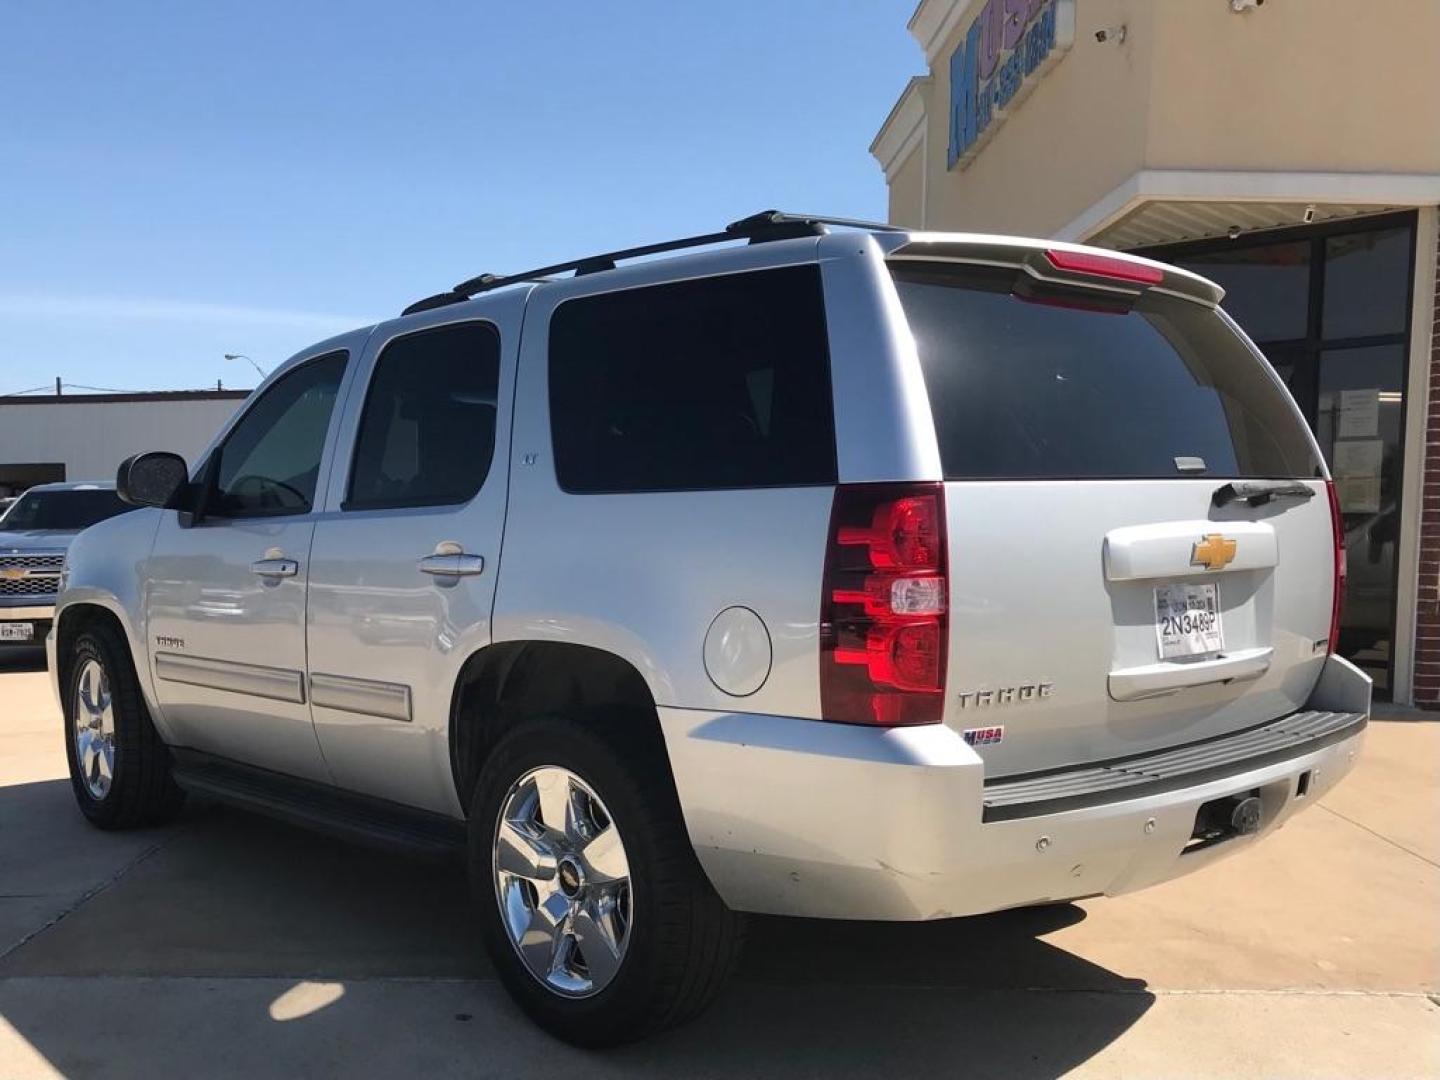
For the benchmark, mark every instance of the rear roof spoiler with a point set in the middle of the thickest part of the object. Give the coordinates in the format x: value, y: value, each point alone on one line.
x: 1032, y: 256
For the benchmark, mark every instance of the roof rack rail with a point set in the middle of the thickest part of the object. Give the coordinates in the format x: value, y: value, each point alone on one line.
x: 757, y: 228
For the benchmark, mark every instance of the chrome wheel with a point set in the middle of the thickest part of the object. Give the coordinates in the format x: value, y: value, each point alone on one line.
x: 562, y: 882
x: 93, y: 725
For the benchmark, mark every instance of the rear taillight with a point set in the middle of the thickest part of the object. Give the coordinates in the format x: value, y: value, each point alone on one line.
x: 883, y: 625
x: 1337, y: 603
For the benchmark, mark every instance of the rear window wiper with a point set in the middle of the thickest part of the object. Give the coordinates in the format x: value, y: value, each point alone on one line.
x: 1259, y: 492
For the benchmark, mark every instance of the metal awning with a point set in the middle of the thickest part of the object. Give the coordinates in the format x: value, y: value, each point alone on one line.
x: 1171, y: 221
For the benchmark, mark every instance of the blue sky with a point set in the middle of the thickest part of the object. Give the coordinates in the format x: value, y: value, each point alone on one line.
x: 182, y: 180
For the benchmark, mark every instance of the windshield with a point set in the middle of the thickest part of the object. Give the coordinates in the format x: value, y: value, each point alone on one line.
x: 61, y: 510
x: 1032, y: 384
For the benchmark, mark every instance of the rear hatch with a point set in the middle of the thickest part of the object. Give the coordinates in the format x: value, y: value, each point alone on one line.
x: 1109, y: 592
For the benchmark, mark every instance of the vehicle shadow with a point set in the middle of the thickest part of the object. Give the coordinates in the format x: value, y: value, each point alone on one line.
x: 190, y: 954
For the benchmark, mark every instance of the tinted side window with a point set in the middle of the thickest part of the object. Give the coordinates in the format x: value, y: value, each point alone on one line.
x: 1028, y: 385
x: 427, y: 434
x: 722, y: 382
x: 271, y: 459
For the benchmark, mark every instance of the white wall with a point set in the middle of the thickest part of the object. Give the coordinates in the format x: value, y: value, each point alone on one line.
x: 92, y: 438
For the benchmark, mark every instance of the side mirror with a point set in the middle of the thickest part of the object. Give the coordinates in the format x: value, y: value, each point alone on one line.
x: 156, y: 478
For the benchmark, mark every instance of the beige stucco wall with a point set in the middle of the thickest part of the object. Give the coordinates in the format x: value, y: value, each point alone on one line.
x: 907, y: 190
x: 1064, y: 145
x: 1296, y: 85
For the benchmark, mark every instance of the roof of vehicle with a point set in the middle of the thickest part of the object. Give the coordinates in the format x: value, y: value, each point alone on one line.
x: 899, y: 241
x: 77, y: 485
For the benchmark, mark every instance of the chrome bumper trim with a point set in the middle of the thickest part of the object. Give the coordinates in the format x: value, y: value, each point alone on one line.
x: 27, y: 614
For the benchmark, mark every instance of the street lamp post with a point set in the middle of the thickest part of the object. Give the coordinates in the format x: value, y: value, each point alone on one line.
x: 242, y: 356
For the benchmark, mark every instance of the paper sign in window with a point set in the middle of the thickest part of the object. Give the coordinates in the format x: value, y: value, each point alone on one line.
x: 1356, y: 464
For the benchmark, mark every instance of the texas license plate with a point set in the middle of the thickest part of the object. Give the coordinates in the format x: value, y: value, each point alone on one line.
x: 17, y: 631
x: 1187, y: 621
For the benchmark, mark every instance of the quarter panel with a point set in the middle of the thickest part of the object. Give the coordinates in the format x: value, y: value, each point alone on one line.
x: 644, y: 575
x: 883, y: 429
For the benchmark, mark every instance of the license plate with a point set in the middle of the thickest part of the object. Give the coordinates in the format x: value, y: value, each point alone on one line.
x: 17, y: 631
x: 1187, y: 621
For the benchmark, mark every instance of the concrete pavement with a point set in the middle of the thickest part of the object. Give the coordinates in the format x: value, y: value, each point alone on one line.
x: 228, y: 945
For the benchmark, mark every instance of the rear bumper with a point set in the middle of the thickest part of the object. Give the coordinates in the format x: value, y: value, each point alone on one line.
x: 795, y: 817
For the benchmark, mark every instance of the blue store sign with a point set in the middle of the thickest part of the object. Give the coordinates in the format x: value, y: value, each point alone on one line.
x: 1005, y: 51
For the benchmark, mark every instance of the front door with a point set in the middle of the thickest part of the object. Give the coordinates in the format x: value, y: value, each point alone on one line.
x: 225, y: 611
x: 405, y: 559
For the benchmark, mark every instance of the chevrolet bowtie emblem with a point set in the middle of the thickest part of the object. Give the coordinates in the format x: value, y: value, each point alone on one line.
x: 12, y: 574
x: 1214, y: 552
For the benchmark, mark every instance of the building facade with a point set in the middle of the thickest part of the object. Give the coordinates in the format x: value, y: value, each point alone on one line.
x: 1288, y: 149
x: 86, y: 436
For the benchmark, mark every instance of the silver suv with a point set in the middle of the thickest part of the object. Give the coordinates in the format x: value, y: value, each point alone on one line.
x: 844, y: 573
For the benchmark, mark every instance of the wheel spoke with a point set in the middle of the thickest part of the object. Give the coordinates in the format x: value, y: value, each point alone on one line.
x: 597, y: 934
x: 552, y: 787
x: 520, y: 854
x: 605, y: 857
x: 540, y: 940
x: 560, y: 954
x: 86, y: 690
x: 84, y: 749
x: 105, y: 757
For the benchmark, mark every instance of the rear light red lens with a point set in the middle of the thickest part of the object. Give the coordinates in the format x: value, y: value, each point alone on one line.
x: 904, y: 533
x: 1337, y: 604
x: 1106, y: 266
x: 883, y: 622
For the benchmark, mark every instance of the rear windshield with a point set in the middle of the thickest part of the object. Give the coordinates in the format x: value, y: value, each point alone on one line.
x: 1026, y: 383
x: 62, y: 510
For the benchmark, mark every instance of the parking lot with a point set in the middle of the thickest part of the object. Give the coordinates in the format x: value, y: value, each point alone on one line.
x: 235, y: 946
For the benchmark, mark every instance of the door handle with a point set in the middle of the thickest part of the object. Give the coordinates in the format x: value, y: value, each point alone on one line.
x: 456, y: 565
x: 275, y: 568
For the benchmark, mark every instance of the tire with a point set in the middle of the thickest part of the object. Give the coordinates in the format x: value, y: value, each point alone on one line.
x: 102, y: 693
x: 678, y: 942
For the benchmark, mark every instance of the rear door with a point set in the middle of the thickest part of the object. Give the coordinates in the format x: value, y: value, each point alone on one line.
x: 405, y: 559
x: 1107, y: 598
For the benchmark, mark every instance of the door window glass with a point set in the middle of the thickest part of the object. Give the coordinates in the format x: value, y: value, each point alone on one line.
x: 1267, y: 289
x: 427, y: 435
x: 1345, y: 363
x: 1367, y: 283
x: 1361, y: 403
x: 270, y: 462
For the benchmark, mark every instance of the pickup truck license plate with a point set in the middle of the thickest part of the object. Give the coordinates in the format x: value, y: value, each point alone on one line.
x: 17, y: 631
x: 1187, y: 621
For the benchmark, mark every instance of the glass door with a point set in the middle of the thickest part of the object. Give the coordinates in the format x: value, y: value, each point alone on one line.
x: 1330, y: 307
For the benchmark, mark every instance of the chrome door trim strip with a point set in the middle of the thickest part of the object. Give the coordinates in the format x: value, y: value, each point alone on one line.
x: 277, y: 684
x: 369, y: 697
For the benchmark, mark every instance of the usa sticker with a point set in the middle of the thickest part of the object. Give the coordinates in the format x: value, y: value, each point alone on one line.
x: 984, y: 736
